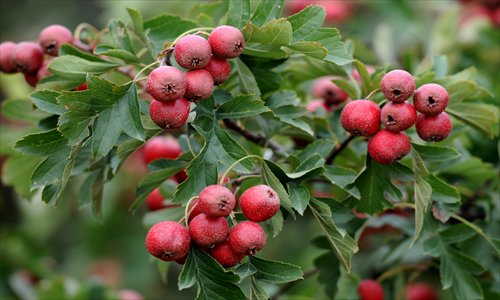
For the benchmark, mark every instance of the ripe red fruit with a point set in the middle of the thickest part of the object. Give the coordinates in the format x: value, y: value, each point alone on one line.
x: 194, y: 211
x: 430, y: 99
x: 225, y: 255
x: 336, y: 11
x: 370, y: 290
x: 179, y: 177
x: 199, y: 85
x: 315, y: 104
x: 397, y: 117
x: 397, y: 85
x: 155, y: 201
x: 169, y: 115
x: 220, y: 69
x: 388, y: 147
x: 161, y: 147
x: 361, y: 117
x: 166, y: 84
x: 28, y: 57
x: 324, y: 88
x: 216, y: 201
x: 130, y: 295
x: 420, y: 291
x: 52, y: 37
x: 208, y: 231
x: 226, y: 42
x: 247, y: 238
x: 433, y: 128
x: 192, y: 52
x: 168, y: 241
x: 82, y: 87
x: 7, y: 64
x: 259, y: 203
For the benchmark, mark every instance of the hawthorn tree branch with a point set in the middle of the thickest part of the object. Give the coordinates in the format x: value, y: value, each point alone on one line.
x: 337, y: 150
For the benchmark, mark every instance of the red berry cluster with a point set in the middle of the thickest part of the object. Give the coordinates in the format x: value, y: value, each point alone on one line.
x: 29, y: 58
x: 209, y: 229
x: 207, y: 65
x: 363, y: 117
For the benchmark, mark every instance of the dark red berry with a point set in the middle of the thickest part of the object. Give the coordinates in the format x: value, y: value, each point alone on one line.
x: 161, y: 147
x: 259, y: 203
x: 166, y: 84
x: 82, y: 87
x: 52, y: 37
x: 169, y: 115
x: 388, y: 147
x: 433, y: 128
x: 247, y: 238
x: 397, y: 85
x: 225, y: 255
x: 324, y: 88
x: 226, y: 42
x: 7, y: 64
x: 208, y: 231
x: 155, y: 201
x: 370, y: 290
x: 420, y: 291
x: 361, y: 117
x: 398, y: 117
x: 199, y: 85
x: 192, y: 52
x: 168, y: 241
x: 28, y: 57
x: 220, y: 69
x: 430, y: 99
x: 216, y: 201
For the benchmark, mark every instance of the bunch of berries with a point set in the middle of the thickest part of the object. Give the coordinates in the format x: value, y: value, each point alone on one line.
x: 363, y: 117
x: 206, y: 63
x: 209, y: 229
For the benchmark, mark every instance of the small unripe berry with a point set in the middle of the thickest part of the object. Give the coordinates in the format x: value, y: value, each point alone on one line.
x: 220, y: 69
x: 225, y: 255
x: 315, y: 104
x: 192, y: 52
x: 208, y: 231
x: 433, y: 128
x: 430, y: 99
x: 161, y: 147
x: 216, y: 201
x: 166, y: 84
x: 420, y: 291
x: 259, y: 203
x: 168, y: 241
x: 7, y: 64
x: 388, y: 147
x: 169, y: 115
x: 397, y: 117
x: 247, y: 238
x: 324, y: 88
x: 226, y: 42
x: 199, y: 85
x: 361, y: 117
x: 370, y: 290
x: 52, y: 37
x: 28, y: 57
x: 397, y: 85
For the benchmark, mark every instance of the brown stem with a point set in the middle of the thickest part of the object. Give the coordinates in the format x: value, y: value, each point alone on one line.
x: 290, y: 285
x: 339, y: 149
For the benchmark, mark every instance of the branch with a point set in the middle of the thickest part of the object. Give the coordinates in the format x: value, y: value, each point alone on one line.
x: 339, y: 149
x: 256, y: 138
x: 290, y: 285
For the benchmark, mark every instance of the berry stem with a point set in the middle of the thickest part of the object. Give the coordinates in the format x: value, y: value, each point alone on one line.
x: 188, y: 211
x: 372, y: 93
x: 232, y: 217
x: 191, y: 31
x: 221, y: 181
x: 144, y: 69
x: 337, y: 150
x: 85, y: 26
x: 239, y: 180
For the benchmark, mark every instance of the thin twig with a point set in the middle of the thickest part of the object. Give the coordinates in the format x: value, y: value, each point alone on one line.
x: 339, y: 149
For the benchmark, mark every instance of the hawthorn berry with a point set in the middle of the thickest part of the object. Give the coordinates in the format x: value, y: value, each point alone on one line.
x: 199, y: 85
x: 82, y: 87
x: 194, y: 210
x: 226, y: 42
x: 336, y: 11
x: 208, y: 231
x: 314, y: 105
x: 155, y: 201
x: 361, y: 117
x: 192, y: 52
x: 220, y: 69
x: 433, y: 128
x: 130, y: 295
x: 7, y: 64
x: 166, y: 83
x: 216, y: 201
x: 420, y: 291
x: 161, y: 147
x: 169, y: 115
x: 370, y: 290
x: 324, y: 88
x: 31, y: 78
x: 259, y: 203
x: 225, y: 255
x: 247, y: 238
x: 168, y: 241
x: 28, y: 57
x: 52, y: 37
x: 397, y: 85
x: 430, y: 99
x: 387, y: 147
x: 397, y: 117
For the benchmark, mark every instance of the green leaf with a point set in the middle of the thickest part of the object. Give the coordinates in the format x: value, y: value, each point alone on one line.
x: 422, y: 193
x: 238, y: 13
x: 256, y: 291
x: 76, y: 68
x: 330, y: 39
x: 329, y: 272
x: 310, y: 48
x: 246, y: 79
x: 284, y: 105
x: 274, y: 271
x: 264, y: 51
x: 445, y: 197
x: 483, y: 117
x: 74, y: 125
x: 299, y: 196
x: 277, y: 32
x: 51, y: 169
x: 137, y: 20
x: 119, y: 34
x: 106, y: 132
x: 436, y: 153
x: 366, y: 86
x: 41, y: 144
x: 68, y: 49
x: 306, y: 21
x: 351, y: 89
x: 46, y: 100
x: 111, y: 51
x: 266, y: 11
x: 166, y: 28
x: 241, y: 107
x: 342, y: 177
x: 17, y: 171
x: 271, y: 180
x: 214, y: 283
x: 321, y: 147
x: 343, y: 245
x: 21, y: 110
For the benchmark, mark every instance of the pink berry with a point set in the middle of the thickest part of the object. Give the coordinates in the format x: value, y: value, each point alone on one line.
x: 7, y: 64
x: 166, y: 84
x: 199, y: 85
x: 361, y: 117
x: 315, y: 104
x: 398, y: 117
x: 220, y: 69
x: 169, y: 115
x: 420, y: 291
x: 130, y: 295
x: 259, y: 203
x: 370, y: 290
x: 168, y: 241
x: 397, y: 85
x: 388, y: 147
x: 216, y: 201
x: 208, y: 231
x: 192, y: 52
x: 155, y: 201
x: 433, y: 128
x: 52, y: 37
x: 28, y: 57
x: 336, y: 11
x: 161, y: 147
x: 226, y: 42
x: 430, y: 99
x: 225, y: 255
x: 247, y: 238
x: 324, y: 88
